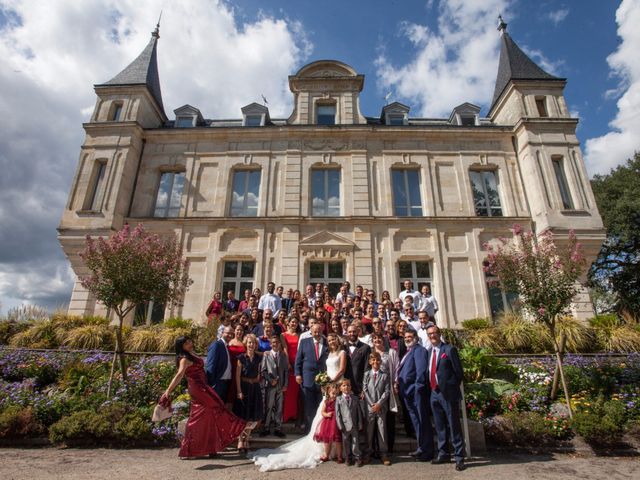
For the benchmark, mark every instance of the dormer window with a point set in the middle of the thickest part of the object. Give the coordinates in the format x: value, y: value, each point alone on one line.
x: 184, y: 122
x: 465, y: 115
x: 396, y: 120
x: 253, y: 121
x: 326, y: 115
x: 187, y: 117
x: 395, y: 114
x: 255, y: 115
x: 467, y: 120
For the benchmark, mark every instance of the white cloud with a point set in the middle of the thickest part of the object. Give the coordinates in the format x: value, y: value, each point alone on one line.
x: 549, y: 66
x: 53, y: 52
x: 615, y: 147
x: 558, y: 16
x: 453, y: 64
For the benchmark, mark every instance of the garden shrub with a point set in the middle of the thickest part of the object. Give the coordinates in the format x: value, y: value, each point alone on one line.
x: 577, y: 336
x: 17, y: 421
x: 9, y: 328
x: 167, y: 338
x: 477, y: 323
x: 517, y: 332
x: 478, y: 363
x: 41, y: 334
x: 178, y: 322
x: 89, y: 337
x: 542, y: 341
x: 601, y: 422
x: 615, y: 336
x: 142, y: 340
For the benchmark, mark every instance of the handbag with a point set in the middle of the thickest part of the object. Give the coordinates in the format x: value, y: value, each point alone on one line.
x: 162, y: 410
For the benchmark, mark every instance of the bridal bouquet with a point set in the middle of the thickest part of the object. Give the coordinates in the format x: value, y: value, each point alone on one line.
x: 322, y: 379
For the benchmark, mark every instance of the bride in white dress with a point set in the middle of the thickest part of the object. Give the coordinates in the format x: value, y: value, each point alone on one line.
x: 305, y: 452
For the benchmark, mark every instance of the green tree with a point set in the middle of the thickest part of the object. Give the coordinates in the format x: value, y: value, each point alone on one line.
x: 617, y: 268
x: 133, y: 267
x: 545, y: 276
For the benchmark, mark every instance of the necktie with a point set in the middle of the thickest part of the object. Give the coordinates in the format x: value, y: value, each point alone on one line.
x: 317, y: 351
x: 375, y: 376
x: 432, y: 376
x: 349, y: 401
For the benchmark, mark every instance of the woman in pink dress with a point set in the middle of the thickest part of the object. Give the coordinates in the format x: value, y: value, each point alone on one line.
x: 291, y: 338
x: 211, y: 427
x: 214, y: 310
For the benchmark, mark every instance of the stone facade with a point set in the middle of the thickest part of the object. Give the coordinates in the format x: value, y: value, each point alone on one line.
x: 289, y: 200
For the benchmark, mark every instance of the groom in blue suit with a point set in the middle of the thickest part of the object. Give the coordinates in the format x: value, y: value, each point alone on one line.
x: 218, y: 365
x: 311, y: 359
x: 412, y: 386
x: 445, y: 377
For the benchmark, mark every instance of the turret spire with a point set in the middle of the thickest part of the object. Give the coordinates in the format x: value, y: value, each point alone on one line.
x: 143, y: 70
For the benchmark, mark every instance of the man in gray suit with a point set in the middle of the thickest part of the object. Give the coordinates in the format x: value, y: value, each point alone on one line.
x: 349, y: 420
x: 377, y: 388
x: 274, y: 370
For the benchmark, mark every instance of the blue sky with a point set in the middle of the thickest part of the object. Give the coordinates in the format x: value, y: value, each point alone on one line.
x: 221, y: 55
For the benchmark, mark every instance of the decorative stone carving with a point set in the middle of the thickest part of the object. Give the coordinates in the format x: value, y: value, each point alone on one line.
x: 325, y: 144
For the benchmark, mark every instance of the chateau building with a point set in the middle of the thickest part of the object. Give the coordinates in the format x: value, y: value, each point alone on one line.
x: 329, y: 194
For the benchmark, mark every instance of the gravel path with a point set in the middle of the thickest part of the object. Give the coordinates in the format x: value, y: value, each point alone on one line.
x: 163, y: 464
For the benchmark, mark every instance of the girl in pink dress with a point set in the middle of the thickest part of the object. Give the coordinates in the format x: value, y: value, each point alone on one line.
x: 328, y: 432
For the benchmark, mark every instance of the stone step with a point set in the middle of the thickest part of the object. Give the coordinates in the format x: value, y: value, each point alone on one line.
x: 402, y: 444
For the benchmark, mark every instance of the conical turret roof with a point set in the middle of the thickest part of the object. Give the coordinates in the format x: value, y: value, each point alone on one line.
x: 143, y: 71
x: 515, y: 65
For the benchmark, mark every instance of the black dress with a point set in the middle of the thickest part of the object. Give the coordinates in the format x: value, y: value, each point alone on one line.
x: 250, y: 408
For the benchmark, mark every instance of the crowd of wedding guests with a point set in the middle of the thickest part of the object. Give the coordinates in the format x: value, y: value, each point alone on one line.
x: 384, y: 360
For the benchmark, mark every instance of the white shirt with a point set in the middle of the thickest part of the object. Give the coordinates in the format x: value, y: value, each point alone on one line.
x: 428, y: 304
x: 270, y: 301
x: 414, y: 293
x: 311, y: 301
x: 436, y: 352
x: 227, y: 371
x: 342, y: 298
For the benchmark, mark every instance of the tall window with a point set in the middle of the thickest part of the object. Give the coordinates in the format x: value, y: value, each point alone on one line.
x: 169, y: 197
x: 561, y: 178
x: 331, y: 273
x: 116, y: 111
x: 246, y: 189
x: 486, y: 198
x: 500, y: 300
x: 406, y: 193
x: 418, y: 272
x: 325, y: 193
x: 98, y: 179
x: 541, y: 105
x: 237, y: 277
x: 326, y: 115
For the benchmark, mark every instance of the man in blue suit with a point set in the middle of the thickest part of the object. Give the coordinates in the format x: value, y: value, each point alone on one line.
x: 218, y: 365
x: 311, y: 359
x: 445, y: 376
x: 412, y: 386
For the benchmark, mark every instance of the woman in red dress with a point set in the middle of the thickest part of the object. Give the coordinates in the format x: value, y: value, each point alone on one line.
x: 215, y: 307
x: 291, y: 338
x: 236, y: 347
x: 211, y: 427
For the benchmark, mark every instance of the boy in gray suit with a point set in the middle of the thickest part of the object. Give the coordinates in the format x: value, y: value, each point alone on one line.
x: 349, y: 420
x: 274, y: 369
x: 377, y: 388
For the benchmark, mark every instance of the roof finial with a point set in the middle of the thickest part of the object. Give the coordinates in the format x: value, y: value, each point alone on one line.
x: 502, y: 26
x: 156, y: 32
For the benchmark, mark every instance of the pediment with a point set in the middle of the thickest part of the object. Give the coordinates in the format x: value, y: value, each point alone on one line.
x: 326, y: 239
x: 187, y: 110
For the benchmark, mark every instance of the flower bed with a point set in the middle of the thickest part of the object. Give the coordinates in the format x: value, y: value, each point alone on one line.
x: 63, y: 395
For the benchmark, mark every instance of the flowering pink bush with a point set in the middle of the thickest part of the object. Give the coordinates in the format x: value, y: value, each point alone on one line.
x: 541, y: 272
x: 132, y: 267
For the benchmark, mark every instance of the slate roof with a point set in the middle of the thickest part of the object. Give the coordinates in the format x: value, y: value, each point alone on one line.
x: 142, y: 71
x: 515, y: 65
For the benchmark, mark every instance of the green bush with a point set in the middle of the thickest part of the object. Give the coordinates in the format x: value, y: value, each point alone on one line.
x: 577, y: 336
x: 478, y: 363
x: 178, y: 322
x: 529, y: 428
x: 16, y: 421
x: 114, y: 424
x: 142, y: 340
x: 89, y: 337
x: 477, y: 323
x: 601, y: 423
x: 41, y: 334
